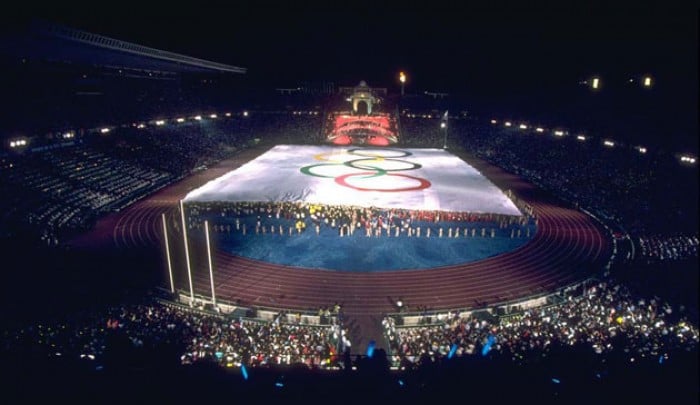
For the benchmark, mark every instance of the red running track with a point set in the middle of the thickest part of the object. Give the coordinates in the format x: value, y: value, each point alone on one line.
x: 567, y: 247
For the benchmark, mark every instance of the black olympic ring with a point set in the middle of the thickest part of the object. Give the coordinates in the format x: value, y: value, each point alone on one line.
x: 376, y: 171
x: 307, y: 170
x: 351, y: 163
x: 353, y: 151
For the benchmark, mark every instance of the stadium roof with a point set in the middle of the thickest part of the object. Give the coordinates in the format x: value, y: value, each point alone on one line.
x: 59, y: 43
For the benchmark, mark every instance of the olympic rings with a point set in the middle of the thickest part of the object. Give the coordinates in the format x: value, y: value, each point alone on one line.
x: 423, y: 183
x: 322, y: 157
x: 307, y: 170
x: 367, y: 155
x: 351, y: 163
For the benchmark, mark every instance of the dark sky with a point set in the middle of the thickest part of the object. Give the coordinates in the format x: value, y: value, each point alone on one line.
x: 525, y: 54
x: 441, y: 47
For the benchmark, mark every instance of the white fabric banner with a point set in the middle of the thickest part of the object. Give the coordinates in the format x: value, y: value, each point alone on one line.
x: 418, y: 179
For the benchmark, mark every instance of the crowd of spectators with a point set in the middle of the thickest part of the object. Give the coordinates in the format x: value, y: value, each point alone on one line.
x: 284, y: 126
x: 68, y: 187
x: 188, y: 335
x: 419, y: 132
x: 654, y: 249
x: 644, y: 193
x: 62, y: 187
x: 605, y: 318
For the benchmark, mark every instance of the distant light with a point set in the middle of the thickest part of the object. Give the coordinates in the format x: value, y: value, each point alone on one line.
x: 508, y: 123
x: 160, y: 122
x: 279, y: 384
x: 68, y: 135
x: 141, y: 126
x: 647, y: 81
x: 198, y: 117
x: 494, y: 122
x: 228, y: 114
x: 104, y: 130
x: 13, y: 144
x: 402, y: 77
x: 687, y: 159
x: 538, y: 129
x: 523, y: 126
x: 609, y: 143
x: 559, y: 133
x: 642, y: 149
x: 556, y: 381
x: 581, y: 138
x: 212, y: 116
x: 596, y: 83
x: 180, y: 119
x: 443, y: 125
x: 245, y: 113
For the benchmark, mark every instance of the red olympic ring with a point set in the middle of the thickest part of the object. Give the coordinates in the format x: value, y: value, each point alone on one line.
x: 423, y: 182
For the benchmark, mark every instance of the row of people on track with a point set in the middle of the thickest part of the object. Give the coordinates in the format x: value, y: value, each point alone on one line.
x: 292, y: 218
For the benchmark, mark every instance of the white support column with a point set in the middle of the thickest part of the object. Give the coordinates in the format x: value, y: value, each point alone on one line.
x: 167, y: 254
x: 187, y: 251
x: 211, y: 269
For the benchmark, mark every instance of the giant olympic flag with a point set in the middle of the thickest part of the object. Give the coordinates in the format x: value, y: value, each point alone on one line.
x: 419, y: 179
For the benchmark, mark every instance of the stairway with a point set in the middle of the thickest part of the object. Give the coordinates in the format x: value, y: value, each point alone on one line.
x: 363, y: 328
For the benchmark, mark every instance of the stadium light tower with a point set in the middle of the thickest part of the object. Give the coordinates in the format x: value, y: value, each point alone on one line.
x: 443, y: 127
x: 402, y: 79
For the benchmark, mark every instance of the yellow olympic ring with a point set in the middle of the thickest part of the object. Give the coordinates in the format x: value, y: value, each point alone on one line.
x: 322, y: 157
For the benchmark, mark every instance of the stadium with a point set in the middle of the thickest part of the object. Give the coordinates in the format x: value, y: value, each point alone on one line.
x: 311, y: 241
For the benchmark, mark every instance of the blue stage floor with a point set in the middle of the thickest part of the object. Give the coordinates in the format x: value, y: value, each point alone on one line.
x: 360, y: 253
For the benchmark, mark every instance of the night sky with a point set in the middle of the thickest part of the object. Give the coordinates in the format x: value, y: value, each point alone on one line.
x: 480, y: 51
x: 451, y: 47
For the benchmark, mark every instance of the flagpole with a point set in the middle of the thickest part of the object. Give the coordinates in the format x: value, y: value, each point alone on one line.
x: 211, y: 270
x: 167, y: 254
x: 187, y: 251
